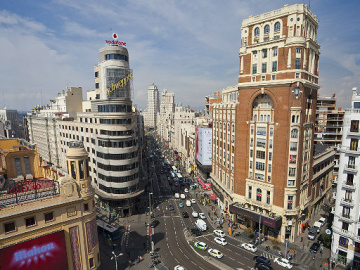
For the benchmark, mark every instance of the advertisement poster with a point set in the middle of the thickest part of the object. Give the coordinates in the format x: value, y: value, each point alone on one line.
x: 44, y: 252
x: 204, y: 145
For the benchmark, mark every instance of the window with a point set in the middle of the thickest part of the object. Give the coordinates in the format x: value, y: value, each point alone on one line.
x: 264, y: 53
x: 275, y: 51
x: 96, y: 74
x: 260, y: 154
x: 250, y: 189
x: 259, y: 176
x: 49, y: 216
x: 254, y: 68
x: 348, y: 195
x: 293, y: 146
x: 251, y: 153
x: 292, y: 159
x: 257, y: 32
x: 260, y: 166
x: 260, y: 142
x: 258, y: 195
x: 86, y: 207
x: 297, y: 75
x: 292, y: 171
x: 345, y: 226
x: 269, y: 168
x: 291, y: 183
x: 9, y: 227
x: 97, y: 85
x: 346, y: 212
x: 297, y: 63
x: 354, y: 144
x: 274, y: 66
x: 251, y: 164
x: 273, y: 77
x: 350, y: 179
x: 290, y: 202
x: 261, y: 130
x: 351, y: 163
x: 30, y: 221
x: 294, y: 132
x: 298, y: 50
x: 354, y: 126
x: 264, y: 67
x: 270, y: 155
x: 268, y: 197
x: 277, y: 27
x: 91, y: 262
x: 266, y: 29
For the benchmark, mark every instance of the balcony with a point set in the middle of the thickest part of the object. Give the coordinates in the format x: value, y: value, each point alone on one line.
x: 347, y: 202
x: 353, y: 132
x: 349, y: 150
x: 346, y: 218
x: 350, y: 168
x: 349, y: 186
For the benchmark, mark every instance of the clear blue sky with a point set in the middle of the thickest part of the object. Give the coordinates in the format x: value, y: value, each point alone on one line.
x: 188, y: 47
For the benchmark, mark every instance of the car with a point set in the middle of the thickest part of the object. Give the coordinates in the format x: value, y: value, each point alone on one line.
x: 182, y: 196
x: 154, y: 223
x: 171, y: 207
x: 196, y: 231
x: 186, y: 190
x: 311, y: 235
x: 202, y: 215
x: 220, y: 241
x: 322, y: 221
x: 249, y: 247
x: 283, y: 262
x: 314, y: 247
x: 262, y: 266
x: 161, y: 171
x: 317, y: 226
x: 179, y: 267
x: 201, y: 245
x: 181, y: 205
x: 262, y: 259
x: 177, y: 195
x: 215, y: 253
x: 195, y: 214
x: 193, y: 201
x: 185, y: 214
x: 219, y: 233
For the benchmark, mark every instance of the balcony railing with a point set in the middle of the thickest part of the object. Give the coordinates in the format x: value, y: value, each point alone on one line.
x: 348, y: 185
x: 351, y: 168
x: 347, y: 202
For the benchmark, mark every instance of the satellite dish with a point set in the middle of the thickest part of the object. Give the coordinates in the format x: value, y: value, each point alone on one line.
x: 327, y: 231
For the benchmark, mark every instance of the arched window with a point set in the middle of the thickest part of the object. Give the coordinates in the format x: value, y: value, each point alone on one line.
x: 257, y: 32
x: 258, y: 194
x: 277, y: 27
x: 294, y: 133
x: 266, y: 29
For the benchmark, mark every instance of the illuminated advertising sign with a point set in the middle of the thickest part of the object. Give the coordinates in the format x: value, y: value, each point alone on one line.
x: 45, y: 252
x: 115, y: 41
x: 204, y: 145
x: 119, y: 84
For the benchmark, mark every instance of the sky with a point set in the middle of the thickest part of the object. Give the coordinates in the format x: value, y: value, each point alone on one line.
x: 189, y: 47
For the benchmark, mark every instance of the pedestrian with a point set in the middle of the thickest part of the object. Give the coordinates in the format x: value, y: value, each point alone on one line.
x: 129, y: 263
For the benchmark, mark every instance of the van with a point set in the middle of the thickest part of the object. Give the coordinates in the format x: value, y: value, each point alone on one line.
x: 322, y: 221
x: 177, y: 195
x: 201, y: 225
x: 317, y: 226
x: 188, y: 203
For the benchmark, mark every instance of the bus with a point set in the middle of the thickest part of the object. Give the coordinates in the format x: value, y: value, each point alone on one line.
x: 107, y: 230
x: 180, y: 177
x: 174, y: 169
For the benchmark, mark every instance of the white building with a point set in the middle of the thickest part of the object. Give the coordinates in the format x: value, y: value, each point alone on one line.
x: 152, y: 110
x: 167, y: 108
x: 345, y: 247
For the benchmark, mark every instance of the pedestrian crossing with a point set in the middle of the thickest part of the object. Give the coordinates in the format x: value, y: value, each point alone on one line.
x: 305, y: 259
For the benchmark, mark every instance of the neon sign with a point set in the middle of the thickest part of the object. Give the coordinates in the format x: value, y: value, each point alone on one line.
x: 33, y: 252
x: 121, y: 83
x: 115, y: 41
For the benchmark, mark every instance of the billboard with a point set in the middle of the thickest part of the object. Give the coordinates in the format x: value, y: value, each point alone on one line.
x: 203, y: 140
x: 44, y: 252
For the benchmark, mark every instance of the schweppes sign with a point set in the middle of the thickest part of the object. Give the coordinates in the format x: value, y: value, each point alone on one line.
x: 121, y: 83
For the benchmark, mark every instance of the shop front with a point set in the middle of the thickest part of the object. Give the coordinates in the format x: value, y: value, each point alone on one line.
x: 269, y: 225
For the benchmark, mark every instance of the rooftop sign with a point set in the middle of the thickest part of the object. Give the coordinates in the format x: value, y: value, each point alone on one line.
x: 115, y: 41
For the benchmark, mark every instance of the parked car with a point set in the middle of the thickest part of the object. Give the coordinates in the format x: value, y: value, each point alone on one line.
x: 185, y: 214
x: 283, y: 262
x: 317, y: 226
x: 195, y: 214
x: 177, y: 195
x: 182, y: 196
x: 249, y: 247
x: 202, y: 215
x: 154, y: 223
x: 201, y: 245
x: 196, y: 231
x: 262, y: 266
x: 261, y: 259
x: 215, y: 253
x: 311, y: 235
x: 314, y: 247
x: 322, y: 221
x: 193, y: 201
x: 186, y: 190
x: 219, y: 233
x: 220, y: 241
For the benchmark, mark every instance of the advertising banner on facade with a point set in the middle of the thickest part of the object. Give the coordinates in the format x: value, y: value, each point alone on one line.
x: 45, y: 252
x: 204, y: 145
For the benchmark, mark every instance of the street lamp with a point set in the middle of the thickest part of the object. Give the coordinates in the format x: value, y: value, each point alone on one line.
x: 115, y: 257
x: 150, y: 193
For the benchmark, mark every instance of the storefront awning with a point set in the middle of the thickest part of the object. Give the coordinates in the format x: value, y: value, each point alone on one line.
x: 272, y: 222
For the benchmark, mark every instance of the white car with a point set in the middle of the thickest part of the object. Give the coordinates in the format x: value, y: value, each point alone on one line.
x: 186, y: 190
x: 322, y: 221
x: 220, y: 241
x: 177, y: 195
x: 195, y: 214
x: 182, y: 196
x: 193, y: 201
x: 249, y: 247
x: 202, y: 215
x: 219, y: 233
x: 215, y: 253
x: 283, y: 262
x: 179, y: 267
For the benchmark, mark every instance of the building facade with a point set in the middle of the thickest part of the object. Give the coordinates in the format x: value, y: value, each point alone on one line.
x: 46, y: 223
x: 271, y: 121
x: 167, y: 109
x: 345, y: 248
x: 10, y: 127
x: 152, y: 110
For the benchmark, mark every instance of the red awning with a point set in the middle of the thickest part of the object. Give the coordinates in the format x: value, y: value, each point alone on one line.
x: 213, y: 197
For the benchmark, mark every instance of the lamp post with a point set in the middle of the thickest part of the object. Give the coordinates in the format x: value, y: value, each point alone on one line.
x: 115, y: 257
x: 150, y: 193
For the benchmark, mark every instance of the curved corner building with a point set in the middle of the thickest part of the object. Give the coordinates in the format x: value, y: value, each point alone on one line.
x: 109, y: 129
